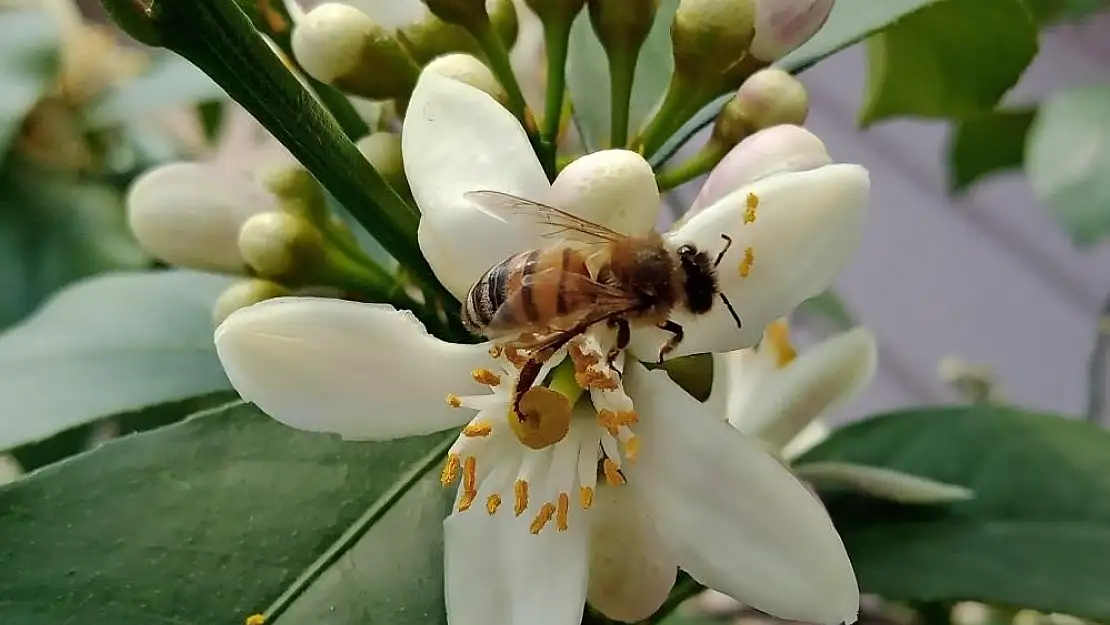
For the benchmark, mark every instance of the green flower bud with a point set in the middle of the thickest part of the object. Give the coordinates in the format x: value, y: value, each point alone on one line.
x: 298, y: 193
x: 341, y: 46
x: 769, y: 98
x: 468, y: 69
x: 281, y: 246
x: 432, y: 37
x: 622, y: 25
x: 383, y: 150
x: 469, y: 14
x: 709, y: 39
x: 556, y: 11
x: 244, y: 293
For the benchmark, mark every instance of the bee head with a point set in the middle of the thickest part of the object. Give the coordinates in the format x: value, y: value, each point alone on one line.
x: 699, y: 279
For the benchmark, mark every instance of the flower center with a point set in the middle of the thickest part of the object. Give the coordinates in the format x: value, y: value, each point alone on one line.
x: 544, y: 418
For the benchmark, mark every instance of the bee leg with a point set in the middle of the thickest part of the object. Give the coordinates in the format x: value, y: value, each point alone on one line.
x: 676, y: 337
x: 624, y: 336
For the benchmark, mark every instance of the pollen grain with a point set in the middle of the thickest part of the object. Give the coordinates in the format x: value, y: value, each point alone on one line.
x: 749, y: 212
x: 520, y: 497
x: 612, y: 472
x: 747, y: 262
x: 586, y: 497
x: 493, y: 502
x: 542, y: 517
x: 450, y: 471
x: 477, y: 428
x: 453, y: 400
x: 562, y: 512
x: 485, y: 376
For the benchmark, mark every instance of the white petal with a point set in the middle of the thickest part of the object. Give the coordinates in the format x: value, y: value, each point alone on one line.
x: 806, y: 227
x: 457, y: 139
x: 770, y: 151
x: 631, y: 573
x: 614, y: 188
x: 365, y: 371
x: 476, y: 578
x: 811, y: 436
x: 820, y: 379
x: 881, y: 482
x: 189, y: 214
x: 735, y: 518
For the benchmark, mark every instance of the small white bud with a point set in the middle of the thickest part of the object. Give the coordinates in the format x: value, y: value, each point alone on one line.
x: 244, y: 293
x: 280, y: 245
x: 467, y: 69
x: 189, y: 214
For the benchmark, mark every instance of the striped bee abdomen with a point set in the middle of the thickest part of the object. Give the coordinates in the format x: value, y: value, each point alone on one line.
x: 524, y: 291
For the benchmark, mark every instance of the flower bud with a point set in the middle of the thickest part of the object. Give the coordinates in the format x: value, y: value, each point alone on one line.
x: 555, y: 11
x: 781, y: 26
x: 769, y: 98
x: 281, y: 246
x: 622, y: 25
x: 298, y: 193
x: 244, y: 293
x: 709, y: 39
x: 469, y: 70
x: 339, y: 45
x: 189, y: 214
x: 432, y: 37
x: 383, y: 150
x: 469, y: 14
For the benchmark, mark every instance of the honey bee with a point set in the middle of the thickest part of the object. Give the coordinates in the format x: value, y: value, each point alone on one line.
x: 546, y: 297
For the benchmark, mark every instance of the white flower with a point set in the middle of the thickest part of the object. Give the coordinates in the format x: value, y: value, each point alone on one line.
x: 605, y: 500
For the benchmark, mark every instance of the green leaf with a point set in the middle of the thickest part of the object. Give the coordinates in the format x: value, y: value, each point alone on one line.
x: 28, y: 65
x: 171, y: 82
x: 951, y: 59
x: 588, y: 76
x: 986, y: 144
x: 1068, y: 157
x: 828, y: 305
x: 225, y: 515
x: 1036, y: 535
x: 108, y: 345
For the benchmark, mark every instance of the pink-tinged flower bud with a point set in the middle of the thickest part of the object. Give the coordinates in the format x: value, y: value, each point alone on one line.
x: 783, y: 25
x: 768, y: 98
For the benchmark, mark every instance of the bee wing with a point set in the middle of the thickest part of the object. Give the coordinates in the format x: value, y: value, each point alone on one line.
x: 602, y: 300
x: 497, y: 204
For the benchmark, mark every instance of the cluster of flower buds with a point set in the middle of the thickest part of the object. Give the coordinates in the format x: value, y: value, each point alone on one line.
x: 275, y: 231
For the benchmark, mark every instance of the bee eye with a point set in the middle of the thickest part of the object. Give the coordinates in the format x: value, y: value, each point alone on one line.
x: 686, y: 250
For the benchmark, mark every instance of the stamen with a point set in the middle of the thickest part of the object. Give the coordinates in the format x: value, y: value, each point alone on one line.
x: 612, y: 472
x: 586, y: 497
x: 542, y: 517
x: 450, y: 471
x: 477, y: 428
x: 493, y: 502
x: 470, y: 477
x: 562, y: 512
x: 485, y: 376
x: 631, y: 448
x: 520, y: 497
x: 255, y: 619
x: 747, y: 262
x: 466, y: 500
x: 608, y: 420
x: 495, y: 351
x: 778, y: 337
x: 585, y: 371
x: 453, y: 400
x: 749, y: 214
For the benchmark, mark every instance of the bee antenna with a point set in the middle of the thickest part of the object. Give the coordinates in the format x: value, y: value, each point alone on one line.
x: 720, y: 257
x: 731, y: 310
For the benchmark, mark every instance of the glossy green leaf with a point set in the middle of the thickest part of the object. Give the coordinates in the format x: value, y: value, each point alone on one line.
x: 1035, y: 535
x: 1068, y: 157
x: 29, y: 41
x: 986, y: 144
x: 170, y: 82
x: 226, y: 515
x: 951, y: 59
x: 588, y: 76
x: 108, y: 345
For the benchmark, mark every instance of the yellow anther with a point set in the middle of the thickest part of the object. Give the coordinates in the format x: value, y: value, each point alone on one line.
x: 542, y: 517
x: 746, y: 262
x: 609, y: 420
x: 749, y: 214
x: 470, y: 474
x: 628, y: 417
x: 778, y: 338
x: 255, y: 619
x: 450, y: 470
x: 466, y: 500
x: 631, y: 448
x: 562, y: 512
x: 586, y: 497
x: 612, y: 472
x: 477, y: 428
x: 485, y: 376
x: 493, y: 502
x: 453, y: 400
x: 520, y: 497
x: 495, y: 351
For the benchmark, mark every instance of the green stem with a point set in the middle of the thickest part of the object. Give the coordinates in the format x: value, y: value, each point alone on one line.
x: 622, y: 68
x: 702, y: 162
x: 679, y: 105
x: 556, y: 39
x: 219, y: 39
x: 683, y: 589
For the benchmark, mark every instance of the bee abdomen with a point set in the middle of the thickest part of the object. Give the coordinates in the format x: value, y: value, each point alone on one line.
x: 529, y: 289
x: 487, y: 295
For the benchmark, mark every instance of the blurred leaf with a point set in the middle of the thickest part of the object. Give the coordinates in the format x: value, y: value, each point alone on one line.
x: 1068, y: 160
x: 588, y: 76
x: 829, y: 306
x: 221, y: 516
x: 1036, y: 535
x: 54, y: 230
x: 171, y: 82
x: 951, y: 59
x: 28, y: 64
x: 987, y: 143
x: 212, y: 115
x: 107, y: 345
